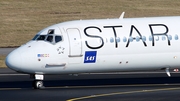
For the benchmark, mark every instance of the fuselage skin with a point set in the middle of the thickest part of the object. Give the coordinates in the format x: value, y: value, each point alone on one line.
x: 102, y: 45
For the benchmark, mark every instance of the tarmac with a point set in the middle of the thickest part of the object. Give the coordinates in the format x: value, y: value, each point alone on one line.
x: 119, y: 86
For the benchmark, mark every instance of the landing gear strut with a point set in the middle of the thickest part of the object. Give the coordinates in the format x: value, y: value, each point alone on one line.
x: 38, y: 81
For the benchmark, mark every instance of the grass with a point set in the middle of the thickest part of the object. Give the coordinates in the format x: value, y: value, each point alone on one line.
x: 2, y: 63
x: 20, y: 20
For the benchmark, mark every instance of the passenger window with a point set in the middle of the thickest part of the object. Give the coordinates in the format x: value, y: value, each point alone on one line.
x: 118, y: 39
x: 41, y: 37
x: 131, y: 39
x: 137, y: 38
x: 156, y: 38
x: 169, y: 37
x: 176, y: 37
x: 163, y: 38
x: 144, y: 38
x: 124, y: 39
x: 111, y: 40
x: 150, y: 38
x: 58, y: 38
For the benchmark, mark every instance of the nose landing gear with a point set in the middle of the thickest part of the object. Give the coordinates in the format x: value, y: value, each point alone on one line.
x: 38, y: 81
x: 38, y: 84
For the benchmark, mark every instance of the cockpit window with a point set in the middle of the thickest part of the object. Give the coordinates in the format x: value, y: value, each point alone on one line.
x: 58, y: 38
x: 35, y: 37
x: 51, y: 31
x: 41, y: 37
x: 50, y: 37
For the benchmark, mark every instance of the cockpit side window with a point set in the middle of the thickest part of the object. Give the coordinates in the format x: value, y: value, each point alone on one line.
x: 58, y: 39
x: 35, y: 37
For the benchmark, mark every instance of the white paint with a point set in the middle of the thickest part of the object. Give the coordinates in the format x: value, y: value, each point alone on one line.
x: 112, y: 56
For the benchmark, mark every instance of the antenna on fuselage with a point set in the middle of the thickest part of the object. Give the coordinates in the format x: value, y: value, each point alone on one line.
x: 122, y: 15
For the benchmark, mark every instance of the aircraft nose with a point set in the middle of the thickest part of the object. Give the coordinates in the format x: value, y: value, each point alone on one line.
x: 13, y: 60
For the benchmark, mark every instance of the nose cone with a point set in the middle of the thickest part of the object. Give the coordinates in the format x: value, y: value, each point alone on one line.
x: 13, y: 60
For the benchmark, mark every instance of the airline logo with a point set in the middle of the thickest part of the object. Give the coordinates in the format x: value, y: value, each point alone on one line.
x: 90, y: 57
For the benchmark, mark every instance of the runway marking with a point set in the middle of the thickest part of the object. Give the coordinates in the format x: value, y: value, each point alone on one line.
x: 162, y: 72
x: 9, y: 89
x: 12, y: 74
x: 121, y: 93
x: 102, y: 86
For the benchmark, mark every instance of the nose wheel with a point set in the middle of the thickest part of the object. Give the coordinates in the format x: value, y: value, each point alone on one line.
x: 38, y: 81
x: 38, y: 84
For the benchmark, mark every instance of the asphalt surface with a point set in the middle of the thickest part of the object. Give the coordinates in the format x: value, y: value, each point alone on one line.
x: 5, y: 51
x: 126, y: 86
x: 154, y: 86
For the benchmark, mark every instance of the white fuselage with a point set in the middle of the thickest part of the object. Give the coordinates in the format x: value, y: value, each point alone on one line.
x: 107, y: 45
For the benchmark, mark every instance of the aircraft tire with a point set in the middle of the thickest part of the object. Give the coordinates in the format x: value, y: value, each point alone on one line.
x: 37, y: 84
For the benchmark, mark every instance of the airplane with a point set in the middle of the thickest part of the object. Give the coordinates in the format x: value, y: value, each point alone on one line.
x: 100, y: 45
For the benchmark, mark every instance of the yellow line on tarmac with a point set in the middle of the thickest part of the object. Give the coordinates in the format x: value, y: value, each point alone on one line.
x: 120, y: 93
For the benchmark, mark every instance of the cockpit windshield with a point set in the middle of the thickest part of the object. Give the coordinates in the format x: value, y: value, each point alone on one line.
x: 50, y: 37
x: 41, y: 37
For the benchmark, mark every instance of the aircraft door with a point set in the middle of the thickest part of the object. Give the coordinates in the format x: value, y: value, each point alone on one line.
x: 75, y: 43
